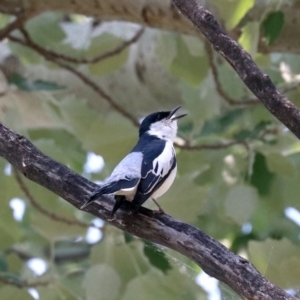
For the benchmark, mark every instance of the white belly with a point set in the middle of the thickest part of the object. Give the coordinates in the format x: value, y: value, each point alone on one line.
x: 166, y: 185
x: 128, y: 193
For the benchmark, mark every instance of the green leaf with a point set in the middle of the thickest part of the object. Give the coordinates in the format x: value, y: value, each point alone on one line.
x: 3, y: 264
x: 272, y: 26
x: 45, y: 30
x: 221, y: 124
x: 121, y: 256
x: 278, y: 260
x: 10, y: 292
x: 23, y: 84
x: 101, y: 282
x: 191, y: 69
x: 204, y: 98
x: 255, y: 133
x: 228, y: 293
x: 184, y: 192
x: 240, y: 203
x: 261, y: 176
x: 232, y: 11
x: 95, y: 131
x: 4, y: 19
x: 156, y: 285
x: 101, y: 44
x: 60, y: 145
x: 156, y: 257
x: 57, y: 292
x: 10, y: 230
x: 53, y: 230
x: 249, y: 38
x: 15, y: 263
x: 128, y: 237
x: 166, y: 48
x: 280, y: 164
x: 26, y: 55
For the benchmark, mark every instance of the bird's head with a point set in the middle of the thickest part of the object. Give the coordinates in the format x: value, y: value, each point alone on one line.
x: 162, y: 124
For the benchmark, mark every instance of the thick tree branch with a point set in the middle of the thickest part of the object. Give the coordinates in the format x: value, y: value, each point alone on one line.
x: 241, y: 61
x: 215, y: 259
x: 17, y: 23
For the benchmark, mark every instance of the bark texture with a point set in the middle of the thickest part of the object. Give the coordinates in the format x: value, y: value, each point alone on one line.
x: 162, y: 14
x: 241, y: 61
x: 215, y: 259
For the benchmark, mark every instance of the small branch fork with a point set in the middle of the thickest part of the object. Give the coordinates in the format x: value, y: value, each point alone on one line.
x: 246, y: 102
x: 17, y: 23
x: 219, y: 87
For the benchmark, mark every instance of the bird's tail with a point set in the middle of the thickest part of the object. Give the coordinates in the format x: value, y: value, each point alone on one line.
x: 111, y: 188
x: 91, y: 199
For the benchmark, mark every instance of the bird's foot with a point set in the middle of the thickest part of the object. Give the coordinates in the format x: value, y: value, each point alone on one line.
x: 158, y: 212
x: 112, y: 218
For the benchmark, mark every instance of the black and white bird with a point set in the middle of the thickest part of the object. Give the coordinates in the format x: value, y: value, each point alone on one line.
x: 149, y: 169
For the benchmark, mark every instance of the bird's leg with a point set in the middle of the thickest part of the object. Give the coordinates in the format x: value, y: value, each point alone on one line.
x: 159, y: 211
x: 119, y: 202
x: 134, y: 208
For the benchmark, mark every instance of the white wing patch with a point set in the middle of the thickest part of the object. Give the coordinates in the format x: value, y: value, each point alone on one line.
x: 161, y: 166
x: 163, y: 163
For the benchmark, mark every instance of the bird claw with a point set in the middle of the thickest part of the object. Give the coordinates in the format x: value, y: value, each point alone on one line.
x: 112, y: 219
x: 158, y: 212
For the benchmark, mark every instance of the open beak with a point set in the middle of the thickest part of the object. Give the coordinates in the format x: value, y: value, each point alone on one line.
x: 172, y: 113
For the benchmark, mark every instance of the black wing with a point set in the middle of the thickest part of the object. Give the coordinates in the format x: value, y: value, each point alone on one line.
x: 158, y: 163
x: 111, y: 188
x: 115, y: 186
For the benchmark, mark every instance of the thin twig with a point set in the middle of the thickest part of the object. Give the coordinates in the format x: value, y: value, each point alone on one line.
x: 93, y: 85
x: 290, y: 88
x: 24, y: 283
x: 47, y: 55
x: 16, y: 24
x: 219, y: 87
x: 218, y: 146
x: 97, y: 58
x: 284, y: 90
x: 11, y: 10
x: 44, y: 211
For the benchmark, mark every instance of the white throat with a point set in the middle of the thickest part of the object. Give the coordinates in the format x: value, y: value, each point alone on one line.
x: 165, y: 129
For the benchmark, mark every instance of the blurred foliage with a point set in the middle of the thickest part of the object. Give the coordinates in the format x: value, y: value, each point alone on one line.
x: 272, y: 26
x: 239, y: 195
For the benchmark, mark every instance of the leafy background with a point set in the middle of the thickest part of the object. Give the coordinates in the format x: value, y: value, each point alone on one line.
x: 245, y: 195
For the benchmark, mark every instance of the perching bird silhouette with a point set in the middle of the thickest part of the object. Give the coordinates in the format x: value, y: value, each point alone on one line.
x: 149, y: 169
